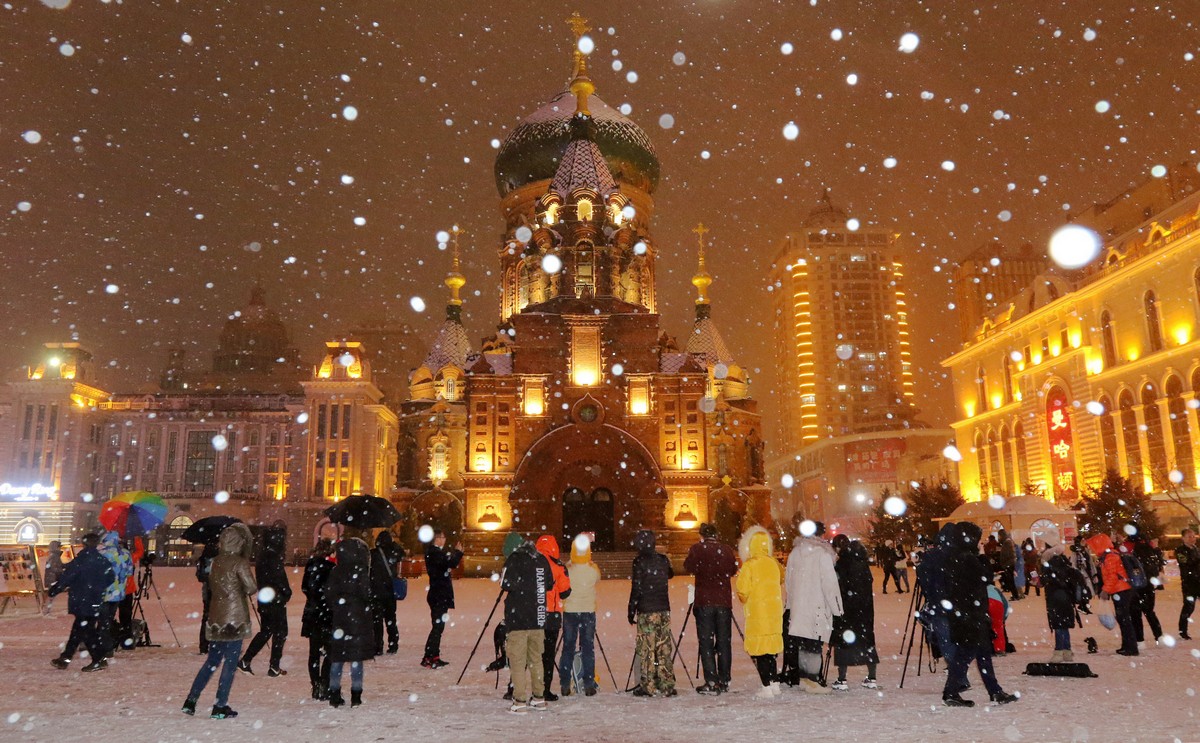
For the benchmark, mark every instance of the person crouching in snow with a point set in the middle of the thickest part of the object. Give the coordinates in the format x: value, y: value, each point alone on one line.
x: 231, y: 586
x: 854, y: 631
x: 650, y: 610
x: 527, y: 581
x: 813, y: 599
x: 758, y: 588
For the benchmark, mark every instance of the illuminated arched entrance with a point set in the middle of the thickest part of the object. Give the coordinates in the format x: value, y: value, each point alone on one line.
x: 588, y: 477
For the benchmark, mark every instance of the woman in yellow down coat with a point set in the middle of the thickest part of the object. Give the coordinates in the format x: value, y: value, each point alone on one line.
x: 758, y: 588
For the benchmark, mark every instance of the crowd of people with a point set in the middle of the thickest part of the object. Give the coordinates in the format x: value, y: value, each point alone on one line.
x: 819, y: 603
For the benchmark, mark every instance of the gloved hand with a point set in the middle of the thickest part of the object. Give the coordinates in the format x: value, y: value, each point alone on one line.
x: 633, y: 617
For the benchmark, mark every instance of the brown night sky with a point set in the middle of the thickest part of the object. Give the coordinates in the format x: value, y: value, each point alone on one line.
x: 163, y: 112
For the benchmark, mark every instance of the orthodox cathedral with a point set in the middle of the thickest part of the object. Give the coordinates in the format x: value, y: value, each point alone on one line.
x: 581, y: 414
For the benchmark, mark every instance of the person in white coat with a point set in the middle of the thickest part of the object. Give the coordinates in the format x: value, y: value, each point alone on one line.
x: 813, y: 600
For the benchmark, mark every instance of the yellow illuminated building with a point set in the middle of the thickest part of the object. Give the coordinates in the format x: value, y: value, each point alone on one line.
x: 1071, y: 378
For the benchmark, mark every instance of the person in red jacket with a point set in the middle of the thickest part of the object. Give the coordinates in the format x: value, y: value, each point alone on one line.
x: 714, y: 565
x: 548, y: 547
x: 1115, y: 583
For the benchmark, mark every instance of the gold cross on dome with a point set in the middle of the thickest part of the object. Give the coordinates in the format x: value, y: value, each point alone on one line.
x: 579, y: 25
x: 455, y: 233
x: 701, y: 231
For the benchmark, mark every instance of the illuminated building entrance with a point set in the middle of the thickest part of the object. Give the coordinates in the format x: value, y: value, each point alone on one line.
x: 589, y: 512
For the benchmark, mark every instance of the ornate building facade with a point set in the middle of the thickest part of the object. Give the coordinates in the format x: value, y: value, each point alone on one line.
x: 581, y: 414
x: 251, y: 435
x: 1071, y: 378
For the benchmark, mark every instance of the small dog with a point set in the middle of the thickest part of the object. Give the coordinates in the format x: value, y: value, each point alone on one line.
x: 1091, y: 645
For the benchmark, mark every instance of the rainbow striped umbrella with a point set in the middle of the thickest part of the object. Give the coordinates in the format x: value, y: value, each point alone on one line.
x: 134, y: 513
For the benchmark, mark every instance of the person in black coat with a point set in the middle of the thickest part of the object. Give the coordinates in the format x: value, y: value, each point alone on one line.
x: 527, y: 579
x: 650, y: 610
x: 86, y: 578
x: 853, y: 637
x: 1187, y: 556
x: 274, y: 592
x: 970, y: 623
x: 352, y: 640
x: 315, y: 622
x: 440, y: 561
x: 384, y: 558
x: 1059, y: 578
x: 1151, y: 557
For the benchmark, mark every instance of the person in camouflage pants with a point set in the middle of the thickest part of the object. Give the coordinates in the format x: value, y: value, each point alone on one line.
x: 655, y: 649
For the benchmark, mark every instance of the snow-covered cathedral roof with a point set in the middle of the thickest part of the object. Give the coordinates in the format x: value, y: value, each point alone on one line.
x: 706, y: 340
x: 451, y: 347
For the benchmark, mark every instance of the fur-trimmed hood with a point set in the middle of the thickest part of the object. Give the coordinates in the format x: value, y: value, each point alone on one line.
x: 752, y: 543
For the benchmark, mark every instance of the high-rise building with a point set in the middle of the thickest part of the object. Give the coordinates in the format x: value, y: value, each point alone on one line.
x: 842, y: 328
x: 844, y: 354
x: 988, y: 276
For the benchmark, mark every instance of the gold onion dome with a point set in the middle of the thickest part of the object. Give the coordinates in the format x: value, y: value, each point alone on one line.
x: 533, y: 150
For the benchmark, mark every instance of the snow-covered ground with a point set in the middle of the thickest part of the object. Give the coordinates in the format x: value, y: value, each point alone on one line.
x: 1149, y: 698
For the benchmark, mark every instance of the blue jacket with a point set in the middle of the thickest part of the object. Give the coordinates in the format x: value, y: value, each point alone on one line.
x: 122, y: 564
x: 86, y: 577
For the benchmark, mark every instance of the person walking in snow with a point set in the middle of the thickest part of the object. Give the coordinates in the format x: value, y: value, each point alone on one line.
x: 758, y: 588
x: 713, y: 564
x: 970, y: 625
x: 813, y: 600
x: 203, y: 567
x: 650, y: 610
x: 1151, y: 558
x: 440, y: 561
x: 86, y: 578
x: 123, y: 569
x: 54, y: 564
x: 352, y: 638
x: 232, y: 586
x: 854, y: 631
x: 1114, y: 581
x: 579, y: 618
x: 527, y: 579
x: 274, y: 592
x: 316, y: 621
x: 385, y: 558
x: 1187, y: 555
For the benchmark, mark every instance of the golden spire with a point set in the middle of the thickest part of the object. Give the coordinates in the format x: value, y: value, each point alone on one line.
x: 581, y: 85
x: 702, y: 280
x: 454, y: 279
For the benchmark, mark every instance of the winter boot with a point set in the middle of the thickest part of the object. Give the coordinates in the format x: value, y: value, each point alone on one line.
x: 776, y: 689
x: 550, y: 696
x: 189, y: 706
x: 870, y: 683
x: 356, y: 698
x: 222, y: 713
x: 764, y: 693
x: 316, y: 691
x: 1003, y: 697
x: 335, y: 698
x: 956, y: 700
x: 508, y: 693
x: 61, y: 663
x: 96, y: 665
x: 1056, y: 656
x: 1068, y: 656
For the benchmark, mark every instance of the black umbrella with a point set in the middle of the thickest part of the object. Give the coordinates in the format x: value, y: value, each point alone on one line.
x: 363, y: 512
x: 207, y: 529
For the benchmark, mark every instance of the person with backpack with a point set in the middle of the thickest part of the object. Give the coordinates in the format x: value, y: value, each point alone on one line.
x: 560, y: 588
x: 527, y: 579
x: 385, y: 557
x: 1150, y: 557
x: 1116, y: 583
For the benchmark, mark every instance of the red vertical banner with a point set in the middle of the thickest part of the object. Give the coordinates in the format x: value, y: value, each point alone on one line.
x: 1062, y: 444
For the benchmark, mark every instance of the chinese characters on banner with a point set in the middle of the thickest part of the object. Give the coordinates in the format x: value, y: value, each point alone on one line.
x: 873, y: 461
x: 1062, y: 454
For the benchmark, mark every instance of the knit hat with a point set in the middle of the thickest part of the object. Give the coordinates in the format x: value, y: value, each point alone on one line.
x: 511, y: 542
x: 581, y: 557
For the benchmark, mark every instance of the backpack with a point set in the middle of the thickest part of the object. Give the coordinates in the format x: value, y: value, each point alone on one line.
x: 1134, y: 572
x: 1081, y: 592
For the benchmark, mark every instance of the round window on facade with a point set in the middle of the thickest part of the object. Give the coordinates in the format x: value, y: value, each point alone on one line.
x: 588, y: 413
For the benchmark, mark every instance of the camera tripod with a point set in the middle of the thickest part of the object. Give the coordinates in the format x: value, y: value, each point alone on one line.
x: 141, y: 634
x: 915, y: 606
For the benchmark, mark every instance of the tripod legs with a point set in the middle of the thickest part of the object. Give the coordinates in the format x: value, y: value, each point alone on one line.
x: 606, y: 665
x: 480, y: 638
